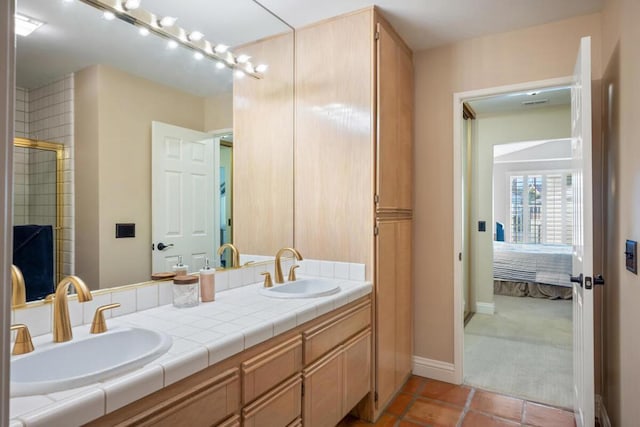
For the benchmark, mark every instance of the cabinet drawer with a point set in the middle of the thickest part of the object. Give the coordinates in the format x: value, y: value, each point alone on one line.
x: 326, y: 336
x: 278, y: 408
x: 269, y: 369
x: 204, y: 405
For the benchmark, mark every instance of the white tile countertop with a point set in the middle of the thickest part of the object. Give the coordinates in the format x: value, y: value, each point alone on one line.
x: 202, y: 336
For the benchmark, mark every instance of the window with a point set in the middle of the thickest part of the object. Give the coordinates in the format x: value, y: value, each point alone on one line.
x: 541, y: 208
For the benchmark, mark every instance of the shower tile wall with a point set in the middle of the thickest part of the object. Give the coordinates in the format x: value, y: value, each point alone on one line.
x: 46, y: 114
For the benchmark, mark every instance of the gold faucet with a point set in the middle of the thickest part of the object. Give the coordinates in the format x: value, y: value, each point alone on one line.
x: 279, y: 278
x: 61, y: 323
x: 235, y: 255
x: 23, y: 342
x: 18, y: 289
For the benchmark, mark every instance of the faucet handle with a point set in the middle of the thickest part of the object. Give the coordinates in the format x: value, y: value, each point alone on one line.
x: 23, y: 342
x: 292, y: 273
x: 267, y: 279
x: 99, y: 325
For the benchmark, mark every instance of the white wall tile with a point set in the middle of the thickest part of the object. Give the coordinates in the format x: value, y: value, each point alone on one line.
x: 89, y: 307
x: 222, y: 281
x: 127, y: 300
x: 326, y: 269
x: 146, y: 297
x: 312, y: 267
x: 357, y: 272
x: 341, y: 270
x: 38, y: 319
x: 165, y: 293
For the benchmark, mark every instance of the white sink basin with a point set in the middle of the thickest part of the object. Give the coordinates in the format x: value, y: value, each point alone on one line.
x: 86, y: 360
x: 302, y: 288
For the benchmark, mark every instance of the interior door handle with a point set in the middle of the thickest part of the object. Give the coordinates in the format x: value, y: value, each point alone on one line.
x: 162, y: 246
x: 577, y: 279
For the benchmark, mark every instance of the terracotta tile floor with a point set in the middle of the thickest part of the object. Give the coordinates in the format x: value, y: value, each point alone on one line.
x: 426, y: 402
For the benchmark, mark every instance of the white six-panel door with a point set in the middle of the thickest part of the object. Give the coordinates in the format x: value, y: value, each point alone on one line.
x: 184, y: 181
x: 583, y: 367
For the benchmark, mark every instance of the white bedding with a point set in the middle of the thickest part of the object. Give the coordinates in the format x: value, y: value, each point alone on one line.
x: 534, y: 263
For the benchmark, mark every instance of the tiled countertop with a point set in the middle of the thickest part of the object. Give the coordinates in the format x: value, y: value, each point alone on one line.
x: 202, y: 336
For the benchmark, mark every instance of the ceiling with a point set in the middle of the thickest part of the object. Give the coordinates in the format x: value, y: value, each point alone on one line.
x: 76, y: 36
x: 428, y: 23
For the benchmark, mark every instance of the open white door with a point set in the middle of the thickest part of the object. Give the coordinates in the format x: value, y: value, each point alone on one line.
x: 583, y: 370
x: 184, y: 209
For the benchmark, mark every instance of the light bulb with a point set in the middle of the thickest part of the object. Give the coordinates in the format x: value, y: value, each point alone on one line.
x: 221, y: 48
x: 194, y: 36
x: 198, y: 56
x: 131, y: 4
x: 143, y: 31
x: 109, y: 16
x: 172, y: 44
x: 243, y: 58
x: 261, y: 68
x: 167, y: 21
x: 239, y: 74
x: 220, y: 65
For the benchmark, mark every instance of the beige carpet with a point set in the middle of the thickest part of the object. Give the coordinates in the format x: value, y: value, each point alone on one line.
x: 523, y: 350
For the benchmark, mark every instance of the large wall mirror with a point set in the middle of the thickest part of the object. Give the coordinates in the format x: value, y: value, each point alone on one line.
x: 101, y: 87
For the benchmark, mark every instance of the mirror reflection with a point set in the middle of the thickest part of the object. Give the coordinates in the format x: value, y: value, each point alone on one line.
x: 98, y: 87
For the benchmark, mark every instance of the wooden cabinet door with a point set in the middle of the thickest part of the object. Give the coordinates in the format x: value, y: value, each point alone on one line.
x: 394, y: 155
x: 357, y: 369
x: 323, y: 391
x: 404, y: 302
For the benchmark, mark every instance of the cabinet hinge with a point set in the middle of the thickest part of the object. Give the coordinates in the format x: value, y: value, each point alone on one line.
x: 376, y: 198
x: 375, y: 396
x: 376, y: 230
x: 377, y: 35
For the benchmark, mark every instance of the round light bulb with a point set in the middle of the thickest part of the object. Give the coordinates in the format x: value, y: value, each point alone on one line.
x: 143, y: 31
x: 172, y: 44
x: 131, y: 4
x: 167, y: 21
x: 262, y: 68
x: 109, y: 16
x: 195, y: 36
x: 239, y: 74
x: 221, y: 48
x: 198, y: 56
x: 220, y: 65
x: 243, y: 58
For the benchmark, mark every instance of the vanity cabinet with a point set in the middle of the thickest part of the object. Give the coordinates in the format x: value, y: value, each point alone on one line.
x: 266, y: 385
x: 354, y: 173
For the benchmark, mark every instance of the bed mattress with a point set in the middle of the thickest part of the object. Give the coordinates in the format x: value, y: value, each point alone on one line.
x: 534, y: 263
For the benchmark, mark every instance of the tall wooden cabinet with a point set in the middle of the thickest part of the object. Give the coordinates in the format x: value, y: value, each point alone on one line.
x: 353, y: 173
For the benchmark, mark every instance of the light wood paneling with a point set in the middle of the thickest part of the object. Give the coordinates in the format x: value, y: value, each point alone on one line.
x: 263, y: 139
x: 395, y: 119
x: 271, y: 368
x: 334, y: 139
x: 277, y: 408
x: 322, y: 338
x: 323, y: 388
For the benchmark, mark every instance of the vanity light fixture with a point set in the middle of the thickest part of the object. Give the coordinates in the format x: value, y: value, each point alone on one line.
x: 243, y: 59
x: 25, y: 25
x: 130, y: 4
x: 262, y: 68
x: 131, y: 12
x: 195, y: 36
x: 109, y: 16
x: 239, y: 74
x: 221, y: 48
x: 143, y: 31
x: 167, y: 21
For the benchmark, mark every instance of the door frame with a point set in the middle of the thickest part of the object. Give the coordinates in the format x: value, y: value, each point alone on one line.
x: 458, y: 216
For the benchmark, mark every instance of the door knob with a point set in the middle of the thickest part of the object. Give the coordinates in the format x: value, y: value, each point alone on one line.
x: 577, y: 279
x: 162, y: 246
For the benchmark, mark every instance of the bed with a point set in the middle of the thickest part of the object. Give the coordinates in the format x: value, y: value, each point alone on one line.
x: 537, y: 270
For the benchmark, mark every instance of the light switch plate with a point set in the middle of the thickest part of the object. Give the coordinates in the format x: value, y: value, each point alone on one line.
x: 631, y: 256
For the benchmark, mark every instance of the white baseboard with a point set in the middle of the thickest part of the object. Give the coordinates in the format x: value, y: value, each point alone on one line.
x: 601, y: 412
x: 485, y: 308
x: 434, y: 369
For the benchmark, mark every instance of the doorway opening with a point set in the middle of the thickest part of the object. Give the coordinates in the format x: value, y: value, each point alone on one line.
x: 518, y: 233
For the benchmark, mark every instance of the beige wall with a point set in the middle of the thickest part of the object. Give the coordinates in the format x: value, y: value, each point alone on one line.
x: 218, y: 112
x: 533, y: 125
x: 121, y: 182
x: 535, y: 53
x: 621, y: 129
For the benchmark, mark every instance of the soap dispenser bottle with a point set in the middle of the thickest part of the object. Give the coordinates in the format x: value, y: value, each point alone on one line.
x: 207, y: 283
x: 180, y: 269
